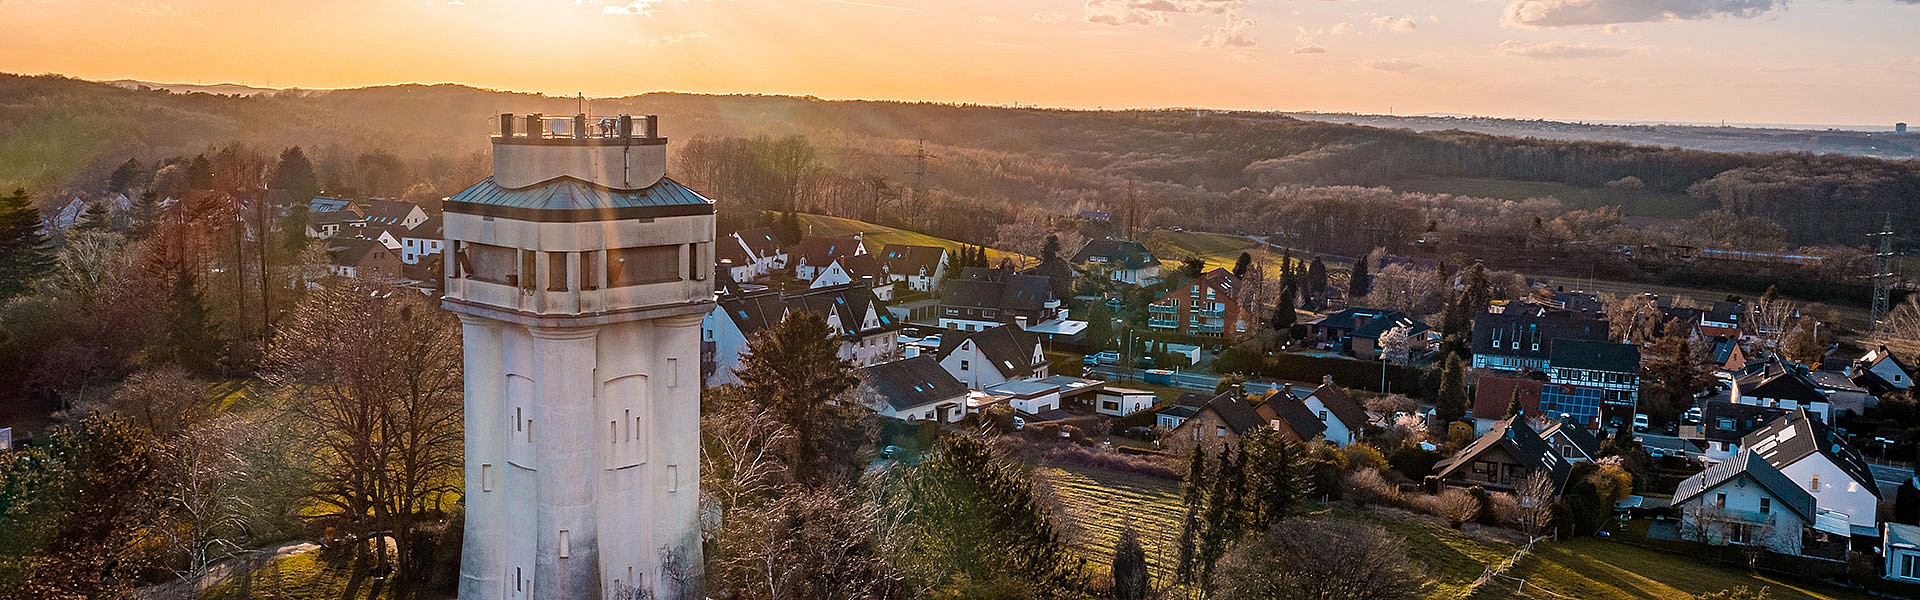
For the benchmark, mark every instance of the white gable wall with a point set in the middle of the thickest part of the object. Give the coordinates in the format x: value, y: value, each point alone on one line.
x: 1837, y: 491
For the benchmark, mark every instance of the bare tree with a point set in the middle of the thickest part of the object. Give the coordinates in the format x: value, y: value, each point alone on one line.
x: 1319, y: 559
x: 1456, y: 505
x: 1366, y: 486
x: 166, y: 400
x: 202, y: 479
x: 375, y: 377
x: 1535, y: 498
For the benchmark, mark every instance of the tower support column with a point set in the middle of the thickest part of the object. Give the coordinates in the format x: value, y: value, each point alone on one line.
x: 483, y: 556
x: 567, y: 558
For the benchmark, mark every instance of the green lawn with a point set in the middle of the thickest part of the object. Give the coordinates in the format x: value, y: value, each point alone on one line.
x: 1601, y: 570
x: 304, y: 576
x: 879, y: 236
x: 1452, y: 560
x: 1634, y: 203
x: 1098, y: 504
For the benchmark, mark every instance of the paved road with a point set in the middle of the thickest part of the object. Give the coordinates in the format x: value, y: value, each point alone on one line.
x: 1180, y: 379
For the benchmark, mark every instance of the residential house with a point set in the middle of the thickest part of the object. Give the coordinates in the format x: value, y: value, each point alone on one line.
x: 1030, y: 397
x: 1074, y: 390
x: 1357, y: 330
x: 1209, y: 306
x: 1121, y: 402
x: 1781, y: 385
x: 989, y: 357
x: 1881, y: 372
x: 1724, y: 424
x: 358, y: 258
x: 1184, y: 407
x: 337, y: 223
x: 1494, y: 394
x: 1745, y: 500
x: 1290, y: 416
x: 1813, y: 456
x: 740, y: 266
x: 1900, y: 545
x: 816, y: 253
x: 423, y: 240
x: 764, y: 254
x: 1575, y: 443
x: 858, y: 268
x: 1843, y: 395
x: 1124, y: 261
x: 982, y: 298
x: 1345, y: 419
x: 1725, y: 315
x: 405, y: 215
x: 866, y: 330
x: 1222, y: 419
x: 1506, y: 455
x: 914, y: 389
x: 920, y: 267
x: 1523, y: 340
x: 1586, y: 375
x: 320, y: 205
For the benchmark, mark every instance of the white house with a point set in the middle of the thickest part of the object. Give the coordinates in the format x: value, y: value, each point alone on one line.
x: 1344, y: 417
x: 914, y: 389
x: 1744, y: 500
x: 1030, y: 397
x: 1124, y: 261
x: 920, y: 267
x: 1821, y: 462
x: 1783, y: 386
x: 762, y: 250
x: 983, y: 359
x: 405, y: 215
x: 814, y: 254
x: 1901, y: 545
x: 850, y: 269
x: 867, y: 331
x: 1881, y: 372
x: 422, y: 241
x: 1120, y: 402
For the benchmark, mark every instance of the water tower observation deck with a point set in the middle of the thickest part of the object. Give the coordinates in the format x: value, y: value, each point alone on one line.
x: 578, y: 223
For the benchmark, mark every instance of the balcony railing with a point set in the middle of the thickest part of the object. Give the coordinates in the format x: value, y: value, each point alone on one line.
x: 1211, y: 312
x: 1162, y: 308
x: 1162, y: 323
x: 1209, y: 329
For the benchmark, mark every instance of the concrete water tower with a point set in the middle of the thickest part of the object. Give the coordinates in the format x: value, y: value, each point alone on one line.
x: 580, y: 274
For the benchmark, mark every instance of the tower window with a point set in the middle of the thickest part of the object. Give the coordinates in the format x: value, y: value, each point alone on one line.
x: 635, y: 266
x: 492, y: 264
x: 556, y: 271
x: 565, y: 550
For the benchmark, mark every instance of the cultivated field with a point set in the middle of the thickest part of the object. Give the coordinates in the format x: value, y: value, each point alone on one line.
x: 1602, y: 570
x: 879, y: 236
x: 1633, y: 203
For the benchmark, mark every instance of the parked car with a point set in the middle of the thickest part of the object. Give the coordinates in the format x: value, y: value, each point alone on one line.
x: 1105, y: 357
x: 1640, y: 422
x: 1692, y: 416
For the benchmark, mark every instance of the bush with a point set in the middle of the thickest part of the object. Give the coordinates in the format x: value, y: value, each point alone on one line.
x: 1362, y: 456
x: 1367, y: 486
x: 1053, y: 452
x: 1413, y: 463
x: 1505, y: 508
x: 1455, y: 505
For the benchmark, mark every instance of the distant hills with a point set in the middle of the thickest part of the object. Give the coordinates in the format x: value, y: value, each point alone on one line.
x: 1883, y: 144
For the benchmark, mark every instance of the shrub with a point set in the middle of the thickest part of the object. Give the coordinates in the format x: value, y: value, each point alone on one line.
x: 1456, y: 506
x: 1366, y: 486
x: 1362, y: 456
x: 1505, y: 508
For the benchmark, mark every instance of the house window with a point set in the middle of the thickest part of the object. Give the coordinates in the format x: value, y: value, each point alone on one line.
x: 486, y: 477
x: 1766, y: 505
x: 1909, y: 566
x: 1219, y: 431
x: 1720, y: 500
x: 566, y: 550
x: 963, y: 365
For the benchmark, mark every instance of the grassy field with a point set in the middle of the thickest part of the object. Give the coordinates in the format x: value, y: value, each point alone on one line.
x: 1602, y: 570
x: 1452, y: 559
x: 305, y: 576
x: 1636, y: 204
x: 1099, y: 502
x: 879, y: 236
x: 1219, y: 250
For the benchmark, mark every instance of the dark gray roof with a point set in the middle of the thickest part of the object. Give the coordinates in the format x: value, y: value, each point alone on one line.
x: 759, y: 241
x: 1120, y: 253
x: 997, y: 289
x: 757, y: 311
x: 910, y: 260
x: 1580, y: 437
x: 1726, y: 311
x: 862, y: 265
x: 1380, y: 326
x: 334, y: 216
x: 1741, y: 419
x: 821, y: 251
x: 1760, y: 471
x: 1520, y: 441
x: 1595, y: 355
x: 1241, y: 418
x: 389, y: 212
x: 731, y: 251
x: 350, y: 251
x: 1780, y: 381
x: 912, y: 382
x: 1795, y: 436
x: 1294, y: 413
x: 575, y: 200
x: 1531, y: 328
x: 1341, y: 405
x: 1007, y: 347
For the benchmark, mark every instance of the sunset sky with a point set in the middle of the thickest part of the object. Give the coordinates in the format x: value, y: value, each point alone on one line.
x: 1748, y: 61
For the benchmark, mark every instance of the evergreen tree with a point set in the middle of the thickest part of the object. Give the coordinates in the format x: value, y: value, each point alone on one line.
x: 1672, y: 376
x: 25, y: 251
x: 200, y: 173
x: 1360, y: 282
x: 127, y: 177
x: 1513, y: 403
x: 1099, y: 325
x: 786, y: 229
x: 1772, y: 294
x: 1055, y: 268
x: 1277, y: 479
x: 1131, y: 581
x: 190, y: 338
x: 1478, y: 293
x: 1315, y: 284
x: 1193, y: 267
x: 1240, y: 264
x: 1450, y: 403
x: 1456, y: 325
x: 795, y: 369
x: 294, y: 174
x: 1284, y: 318
x: 1193, y: 496
x: 97, y: 218
x: 977, y: 517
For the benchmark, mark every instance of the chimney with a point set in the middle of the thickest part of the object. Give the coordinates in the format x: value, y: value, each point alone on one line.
x: 866, y: 281
x: 1327, y: 379
x: 1021, y: 321
x: 626, y: 126
x: 506, y: 124
x: 580, y: 126
x: 534, y: 125
x: 723, y: 272
x: 653, y: 126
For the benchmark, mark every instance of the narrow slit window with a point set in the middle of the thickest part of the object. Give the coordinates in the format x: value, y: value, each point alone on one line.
x: 486, y: 477
x: 565, y: 551
x: 529, y: 431
x: 590, y: 270
x: 630, y: 419
x: 673, y: 478
x: 613, y: 432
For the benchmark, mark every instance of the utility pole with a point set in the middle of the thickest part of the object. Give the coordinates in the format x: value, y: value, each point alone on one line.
x: 1882, y: 276
x: 266, y: 306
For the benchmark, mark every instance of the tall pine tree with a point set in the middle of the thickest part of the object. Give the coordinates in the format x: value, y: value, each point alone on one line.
x: 25, y: 251
x: 190, y: 338
x: 1360, y: 282
x: 1450, y: 403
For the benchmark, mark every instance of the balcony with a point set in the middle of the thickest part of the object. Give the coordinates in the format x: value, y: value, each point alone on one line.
x: 1163, y: 323
x: 1165, y: 309
x: 1212, y: 312
x: 1209, y: 329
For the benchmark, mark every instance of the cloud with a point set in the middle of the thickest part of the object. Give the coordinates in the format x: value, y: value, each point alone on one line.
x: 1308, y: 49
x: 1231, y: 35
x: 673, y: 40
x: 1558, y: 50
x: 1393, y: 23
x: 1391, y: 65
x: 1342, y: 28
x: 1564, y: 13
x: 637, y: 8
x: 1048, y: 17
x: 1153, y: 12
